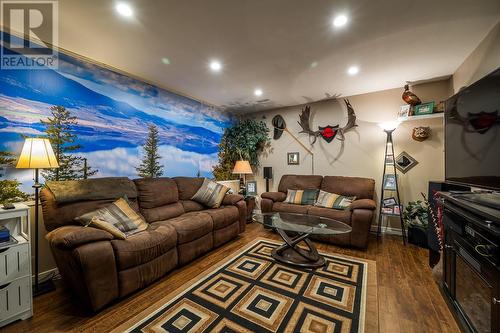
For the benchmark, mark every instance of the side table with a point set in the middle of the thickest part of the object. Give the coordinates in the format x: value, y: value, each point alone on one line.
x: 250, y: 200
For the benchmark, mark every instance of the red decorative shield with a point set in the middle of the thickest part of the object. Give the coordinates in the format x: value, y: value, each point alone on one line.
x: 328, y: 132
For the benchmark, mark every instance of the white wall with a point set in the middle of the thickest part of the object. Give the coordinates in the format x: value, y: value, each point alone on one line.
x: 362, y: 152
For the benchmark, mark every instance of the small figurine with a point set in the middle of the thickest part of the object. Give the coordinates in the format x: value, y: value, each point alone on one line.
x: 410, y: 97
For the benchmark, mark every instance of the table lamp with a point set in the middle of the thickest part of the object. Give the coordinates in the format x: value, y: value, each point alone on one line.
x: 37, y: 154
x: 242, y: 167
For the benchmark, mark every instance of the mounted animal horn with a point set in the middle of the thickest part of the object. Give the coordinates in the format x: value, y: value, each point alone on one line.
x: 328, y: 132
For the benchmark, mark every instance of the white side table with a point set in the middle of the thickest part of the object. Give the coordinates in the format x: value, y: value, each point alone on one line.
x: 16, y: 300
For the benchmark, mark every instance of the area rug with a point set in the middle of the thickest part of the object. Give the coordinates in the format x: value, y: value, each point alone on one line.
x: 251, y: 292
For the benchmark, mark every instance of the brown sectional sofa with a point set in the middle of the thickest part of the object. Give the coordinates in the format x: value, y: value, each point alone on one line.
x: 99, y: 268
x: 359, y: 215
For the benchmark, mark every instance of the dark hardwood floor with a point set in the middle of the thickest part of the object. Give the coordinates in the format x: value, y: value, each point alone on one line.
x: 409, y: 299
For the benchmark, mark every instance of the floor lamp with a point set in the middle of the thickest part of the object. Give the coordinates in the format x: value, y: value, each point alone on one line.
x: 37, y: 154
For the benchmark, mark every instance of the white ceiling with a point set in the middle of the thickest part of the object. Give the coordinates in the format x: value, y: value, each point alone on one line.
x: 271, y: 44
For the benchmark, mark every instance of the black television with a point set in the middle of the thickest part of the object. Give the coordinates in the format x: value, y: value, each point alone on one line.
x: 472, y: 134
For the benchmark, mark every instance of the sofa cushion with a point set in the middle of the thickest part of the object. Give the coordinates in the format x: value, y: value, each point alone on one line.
x: 191, y: 206
x: 361, y: 188
x: 57, y: 215
x: 144, y: 246
x: 299, y: 182
x: 190, y: 226
x: 343, y: 215
x: 224, y: 216
x: 301, y: 197
x: 290, y: 208
x: 187, y: 186
x: 210, y: 194
x: 333, y: 200
x: 156, y: 192
x: 163, y: 212
x: 119, y: 219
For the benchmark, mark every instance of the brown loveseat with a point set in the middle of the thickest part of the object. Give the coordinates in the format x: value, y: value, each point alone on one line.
x: 100, y: 268
x: 359, y: 215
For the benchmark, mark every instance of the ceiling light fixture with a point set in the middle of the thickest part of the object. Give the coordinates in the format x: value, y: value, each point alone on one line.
x: 340, y: 21
x: 257, y: 92
x: 353, y: 70
x: 215, y: 66
x: 124, y: 9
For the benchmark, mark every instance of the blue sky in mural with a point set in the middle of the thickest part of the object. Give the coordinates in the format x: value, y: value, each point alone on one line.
x: 113, y: 112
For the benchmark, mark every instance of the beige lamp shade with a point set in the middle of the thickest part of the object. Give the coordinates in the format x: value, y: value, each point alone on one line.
x: 242, y: 168
x: 37, y: 154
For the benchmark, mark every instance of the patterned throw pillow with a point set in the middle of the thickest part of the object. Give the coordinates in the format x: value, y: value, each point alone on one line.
x: 119, y: 219
x: 301, y: 197
x: 332, y: 200
x: 210, y: 194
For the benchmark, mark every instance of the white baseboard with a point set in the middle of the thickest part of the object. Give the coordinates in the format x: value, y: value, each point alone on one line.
x: 42, y: 276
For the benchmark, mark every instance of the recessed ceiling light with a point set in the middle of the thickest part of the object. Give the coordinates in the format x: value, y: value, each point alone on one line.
x: 340, y: 21
x: 215, y: 66
x: 353, y: 70
x: 257, y: 92
x: 165, y: 61
x: 124, y: 9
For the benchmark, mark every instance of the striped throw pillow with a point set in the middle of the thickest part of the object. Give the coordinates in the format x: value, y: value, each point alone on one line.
x: 119, y: 219
x: 301, y: 197
x: 332, y: 200
x: 210, y: 193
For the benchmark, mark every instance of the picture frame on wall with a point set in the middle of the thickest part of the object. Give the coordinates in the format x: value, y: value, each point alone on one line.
x: 293, y: 158
x: 404, y: 162
x: 390, y: 182
x: 251, y: 188
x: 424, y: 108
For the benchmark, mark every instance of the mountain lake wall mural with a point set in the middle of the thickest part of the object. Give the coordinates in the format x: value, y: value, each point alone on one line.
x: 113, y: 112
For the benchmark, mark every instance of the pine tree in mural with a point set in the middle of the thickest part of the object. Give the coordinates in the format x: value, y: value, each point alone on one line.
x: 7, y: 158
x: 150, y: 166
x: 59, y: 132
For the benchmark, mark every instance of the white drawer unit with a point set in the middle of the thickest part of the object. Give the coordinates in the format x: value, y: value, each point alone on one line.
x: 16, y: 296
x: 15, y: 299
x: 14, y: 262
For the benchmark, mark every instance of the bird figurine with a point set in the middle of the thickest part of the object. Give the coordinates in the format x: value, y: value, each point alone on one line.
x: 410, y: 97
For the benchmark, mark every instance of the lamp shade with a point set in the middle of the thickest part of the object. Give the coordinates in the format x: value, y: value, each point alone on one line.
x: 37, y: 154
x: 242, y: 168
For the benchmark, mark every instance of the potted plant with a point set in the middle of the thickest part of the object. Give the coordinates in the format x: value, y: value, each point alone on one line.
x: 416, y: 220
x: 245, y: 139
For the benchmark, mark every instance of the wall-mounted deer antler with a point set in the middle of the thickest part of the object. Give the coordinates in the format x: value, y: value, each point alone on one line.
x: 304, y: 124
x: 351, y: 120
x: 328, y: 132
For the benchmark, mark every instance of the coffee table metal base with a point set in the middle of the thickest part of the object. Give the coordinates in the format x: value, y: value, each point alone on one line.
x: 290, y: 252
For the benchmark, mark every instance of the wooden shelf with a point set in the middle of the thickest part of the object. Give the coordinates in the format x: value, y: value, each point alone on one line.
x: 423, y: 117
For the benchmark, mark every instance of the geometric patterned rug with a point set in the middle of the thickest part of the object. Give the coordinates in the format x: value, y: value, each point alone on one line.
x: 251, y: 292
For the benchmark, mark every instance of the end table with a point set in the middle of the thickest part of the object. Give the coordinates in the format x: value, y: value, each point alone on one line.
x: 250, y: 200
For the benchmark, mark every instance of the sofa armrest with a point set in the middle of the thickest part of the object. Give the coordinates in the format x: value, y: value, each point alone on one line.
x: 274, y: 196
x: 363, y: 204
x: 72, y: 236
x: 232, y: 199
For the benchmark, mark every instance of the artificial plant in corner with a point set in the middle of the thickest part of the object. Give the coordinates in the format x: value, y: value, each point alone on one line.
x: 246, y: 139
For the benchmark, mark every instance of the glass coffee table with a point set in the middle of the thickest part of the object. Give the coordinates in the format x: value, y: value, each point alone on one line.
x: 301, y: 226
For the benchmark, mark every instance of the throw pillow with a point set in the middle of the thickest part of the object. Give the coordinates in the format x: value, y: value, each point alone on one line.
x: 332, y: 200
x: 119, y: 219
x: 210, y: 193
x: 301, y: 197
